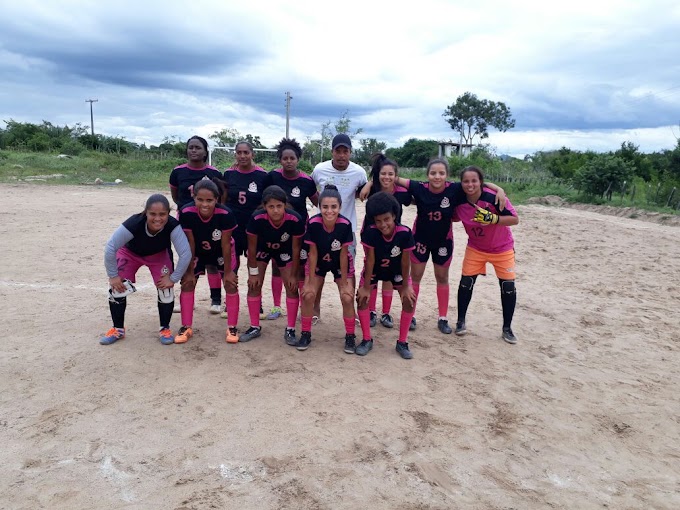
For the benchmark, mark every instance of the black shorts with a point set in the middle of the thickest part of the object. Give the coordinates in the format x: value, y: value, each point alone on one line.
x: 240, y: 242
x: 442, y: 251
x: 200, y: 263
x: 279, y: 258
x: 397, y: 279
x: 322, y: 270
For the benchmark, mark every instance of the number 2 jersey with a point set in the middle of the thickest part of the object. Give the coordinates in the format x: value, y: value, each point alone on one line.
x: 208, y: 233
x: 435, y: 210
x: 388, y: 252
x: 487, y: 238
x: 244, y: 192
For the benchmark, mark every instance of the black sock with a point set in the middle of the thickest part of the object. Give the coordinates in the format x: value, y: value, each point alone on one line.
x: 508, y: 300
x: 165, y: 313
x: 117, y: 307
x: 216, y: 295
x: 465, y: 287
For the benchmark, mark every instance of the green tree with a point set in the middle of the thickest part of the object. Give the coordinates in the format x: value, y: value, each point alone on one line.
x: 368, y: 147
x: 226, y: 137
x: 319, y: 149
x: 629, y: 152
x: 470, y: 116
x: 414, y: 153
x: 603, y: 170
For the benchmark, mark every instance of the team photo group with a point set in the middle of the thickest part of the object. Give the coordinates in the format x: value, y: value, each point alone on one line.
x: 248, y: 214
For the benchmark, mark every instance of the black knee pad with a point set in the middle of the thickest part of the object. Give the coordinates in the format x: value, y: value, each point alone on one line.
x: 507, y: 286
x: 467, y: 282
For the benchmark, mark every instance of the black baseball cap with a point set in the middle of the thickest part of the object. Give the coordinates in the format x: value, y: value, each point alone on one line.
x: 340, y: 140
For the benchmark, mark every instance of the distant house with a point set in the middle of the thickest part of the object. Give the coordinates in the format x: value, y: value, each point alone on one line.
x: 448, y: 149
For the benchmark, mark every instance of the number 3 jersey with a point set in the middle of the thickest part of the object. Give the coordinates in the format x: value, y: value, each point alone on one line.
x: 207, y: 233
x: 435, y: 210
x: 487, y: 238
x: 388, y: 252
x: 273, y: 239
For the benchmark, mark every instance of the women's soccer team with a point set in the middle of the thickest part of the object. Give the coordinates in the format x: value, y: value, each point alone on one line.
x: 263, y: 216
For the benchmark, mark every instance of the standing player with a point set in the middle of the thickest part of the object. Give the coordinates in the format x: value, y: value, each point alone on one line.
x: 329, y: 235
x: 348, y: 177
x: 208, y: 226
x: 273, y: 233
x: 383, y: 175
x: 145, y: 239
x: 435, y: 202
x: 489, y: 240
x: 387, y: 245
x: 182, y: 181
x: 298, y: 187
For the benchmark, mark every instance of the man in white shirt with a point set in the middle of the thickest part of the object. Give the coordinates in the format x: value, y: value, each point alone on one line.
x: 349, y: 178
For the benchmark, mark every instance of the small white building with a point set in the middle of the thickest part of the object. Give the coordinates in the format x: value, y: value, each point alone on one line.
x: 448, y: 149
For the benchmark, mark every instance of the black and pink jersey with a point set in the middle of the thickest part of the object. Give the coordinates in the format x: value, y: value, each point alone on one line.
x: 273, y: 239
x: 402, y: 195
x: 207, y: 233
x: 329, y: 243
x: 244, y: 192
x: 143, y: 243
x: 435, y: 210
x: 183, y: 178
x: 298, y: 189
x: 388, y: 252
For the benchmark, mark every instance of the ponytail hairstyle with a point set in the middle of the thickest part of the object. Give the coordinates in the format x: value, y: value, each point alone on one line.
x: 202, y: 141
x: 330, y: 191
x: 381, y: 203
x: 477, y: 170
x: 441, y: 161
x: 156, y: 198
x: 288, y: 143
x: 379, y: 160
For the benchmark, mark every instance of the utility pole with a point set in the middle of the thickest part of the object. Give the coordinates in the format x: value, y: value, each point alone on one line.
x: 91, y: 116
x: 288, y: 98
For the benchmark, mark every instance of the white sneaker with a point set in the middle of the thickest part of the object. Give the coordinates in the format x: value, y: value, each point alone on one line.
x: 215, y: 309
x: 223, y: 313
x: 177, y: 309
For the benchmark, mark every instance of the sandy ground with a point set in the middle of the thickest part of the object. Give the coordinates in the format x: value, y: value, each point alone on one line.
x: 582, y: 413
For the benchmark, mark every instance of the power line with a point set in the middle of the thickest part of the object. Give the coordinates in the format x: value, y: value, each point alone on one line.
x: 91, y: 114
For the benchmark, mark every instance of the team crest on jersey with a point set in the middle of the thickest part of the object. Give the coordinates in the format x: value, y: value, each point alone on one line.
x: 252, y: 187
x: 285, y: 257
x: 396, y: 251
x: 443, y: 252
x: 284, y: 237
x: 303, y: 254
x: 335, y: 245
x: 295, y: 192
x: 445, y: 203
x: 217, y: 234
x: 398, y: 278
x: 220, y: 261
x: 165, y: 270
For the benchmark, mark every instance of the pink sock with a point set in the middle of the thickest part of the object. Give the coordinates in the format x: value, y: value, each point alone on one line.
x: 404, y: 324
x: 214, y: 280
x: 387, y: 300
x: 373, y: 299
x: 306, y: 323
x: 443, y: 299
x: 416, y: 289
x: 365, y: 321
x: 277, y: 289
x: 233, y: 304
x: 350, y: 324
x: 292, y: 305
x: 254, y: 304
x: 186, y: 304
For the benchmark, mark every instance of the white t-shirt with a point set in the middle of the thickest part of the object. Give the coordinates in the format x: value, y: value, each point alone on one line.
x: 347, y: 181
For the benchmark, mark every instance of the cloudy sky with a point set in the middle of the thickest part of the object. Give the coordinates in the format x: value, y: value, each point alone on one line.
x: 586, y: 75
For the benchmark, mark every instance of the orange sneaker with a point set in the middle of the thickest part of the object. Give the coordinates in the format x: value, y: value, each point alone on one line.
x: 184, y: 334
x: 165, y: 336
x: 232, y: 335
x: 112, y: 335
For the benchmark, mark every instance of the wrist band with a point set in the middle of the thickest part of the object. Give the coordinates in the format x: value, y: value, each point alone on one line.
x: 253, y: 271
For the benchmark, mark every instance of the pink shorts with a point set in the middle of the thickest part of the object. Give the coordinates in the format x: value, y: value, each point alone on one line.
x: 129, y: 263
